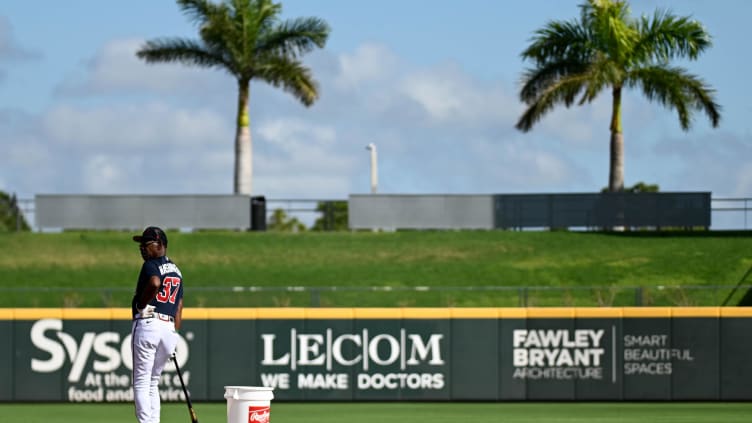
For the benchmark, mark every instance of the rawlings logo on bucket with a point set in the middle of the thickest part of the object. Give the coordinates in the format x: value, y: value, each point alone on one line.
x: 258, y: 414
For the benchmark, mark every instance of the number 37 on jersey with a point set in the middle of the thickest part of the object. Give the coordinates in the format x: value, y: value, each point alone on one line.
x: 169, y: 291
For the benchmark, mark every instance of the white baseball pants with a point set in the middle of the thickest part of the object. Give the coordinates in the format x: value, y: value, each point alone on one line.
x: 154, y: 341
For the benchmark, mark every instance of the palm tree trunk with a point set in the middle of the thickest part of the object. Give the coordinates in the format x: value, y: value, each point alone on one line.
x: 243, y: 144
x: 616, y: 167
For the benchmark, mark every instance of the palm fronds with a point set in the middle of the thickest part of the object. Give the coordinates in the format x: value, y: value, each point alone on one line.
x: 677, y: 89
x: 608, y: 49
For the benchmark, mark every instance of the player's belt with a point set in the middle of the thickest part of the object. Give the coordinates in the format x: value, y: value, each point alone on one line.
x: 160, y: 316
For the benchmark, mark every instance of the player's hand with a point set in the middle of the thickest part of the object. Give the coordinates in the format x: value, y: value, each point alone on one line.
x: 147, y: 312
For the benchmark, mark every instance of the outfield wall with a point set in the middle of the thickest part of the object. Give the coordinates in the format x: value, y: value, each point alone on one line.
x: 355, y: 354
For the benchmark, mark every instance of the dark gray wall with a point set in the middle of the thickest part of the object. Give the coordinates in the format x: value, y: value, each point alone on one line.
x: 664, y: 209
x: 505, y: 211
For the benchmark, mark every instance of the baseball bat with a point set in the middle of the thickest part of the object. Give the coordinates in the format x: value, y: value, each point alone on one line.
x: 194, y: 419
x: 731, y: 294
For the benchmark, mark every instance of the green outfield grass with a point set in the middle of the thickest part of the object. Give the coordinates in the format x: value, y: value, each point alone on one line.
x: 96, y: 269
x: 401, y: 413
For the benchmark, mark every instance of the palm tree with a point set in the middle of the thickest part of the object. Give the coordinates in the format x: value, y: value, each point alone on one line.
x: 247, y: 39
x: 607, y: 49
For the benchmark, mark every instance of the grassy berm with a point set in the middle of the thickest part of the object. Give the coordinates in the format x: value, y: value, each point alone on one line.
x: 99, y: 269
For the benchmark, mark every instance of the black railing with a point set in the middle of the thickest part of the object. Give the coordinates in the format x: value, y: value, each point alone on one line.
x: 732, y: 206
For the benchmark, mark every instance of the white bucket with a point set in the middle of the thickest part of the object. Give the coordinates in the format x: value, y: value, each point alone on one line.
x: 248, y: 404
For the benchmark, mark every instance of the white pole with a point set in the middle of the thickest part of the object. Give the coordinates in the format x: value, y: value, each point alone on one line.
x: 374, y: 168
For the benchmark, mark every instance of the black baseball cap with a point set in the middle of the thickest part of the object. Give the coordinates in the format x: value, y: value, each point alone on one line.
x: 151, y: 233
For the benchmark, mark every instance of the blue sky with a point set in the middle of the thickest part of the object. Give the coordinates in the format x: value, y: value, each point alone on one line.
x: 433, y: 83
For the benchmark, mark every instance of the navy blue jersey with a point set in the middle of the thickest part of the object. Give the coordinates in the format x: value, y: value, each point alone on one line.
x: 171, y: 290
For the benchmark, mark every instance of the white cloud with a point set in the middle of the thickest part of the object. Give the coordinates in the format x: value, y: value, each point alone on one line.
x: 438, y: 96
x: 450, y: 95
x: 102, y: 173
x: 369, y: 63
x: 147, y: 148
x: 127, y: 127
x: 573, y: 125
x: 520, y: 166
x: 465, y: 125
x: 713, y: 161
x: 438, y: 129
x: 10, y: 49
x: 25, y: 157
x: 301, y: 158
x: 29, y: 152
x: 28, y: 165
x: 743, y: 186
x: 115, y: 69
x: 284, y: 132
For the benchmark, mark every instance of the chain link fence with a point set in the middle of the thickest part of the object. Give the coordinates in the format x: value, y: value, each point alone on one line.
x: 388, y: 296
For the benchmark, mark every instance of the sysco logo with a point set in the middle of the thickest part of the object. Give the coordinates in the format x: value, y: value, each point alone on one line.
x: 109, y: 350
